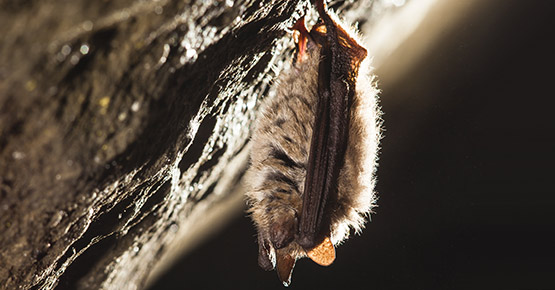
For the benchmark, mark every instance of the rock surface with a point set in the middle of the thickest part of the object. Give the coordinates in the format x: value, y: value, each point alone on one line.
x: 118, y: 119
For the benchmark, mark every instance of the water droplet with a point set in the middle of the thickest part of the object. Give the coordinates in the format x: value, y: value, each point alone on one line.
x: 66, y: 50
x: 84, y: 49
x: 191, y: 54
x: 87, y: 25
x: 60, y: 57
x: 165, y: 54
x: 17, y: 155
x: 158, y: 10
x: 185, y: 43
x: 74, y: 59
x: 135, y: 106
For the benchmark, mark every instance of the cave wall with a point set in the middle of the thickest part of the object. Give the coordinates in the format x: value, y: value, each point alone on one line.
x: 119, y: 122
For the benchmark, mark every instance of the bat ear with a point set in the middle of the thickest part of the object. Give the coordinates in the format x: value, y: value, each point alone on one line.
x: 284, y: 267
x: 323, y: 254
x: 266, y: 255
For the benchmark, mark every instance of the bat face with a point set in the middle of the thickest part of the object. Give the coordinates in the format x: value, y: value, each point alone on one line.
x: 314, y: 150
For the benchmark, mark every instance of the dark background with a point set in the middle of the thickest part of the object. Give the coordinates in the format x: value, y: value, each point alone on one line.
x: 466, y: 176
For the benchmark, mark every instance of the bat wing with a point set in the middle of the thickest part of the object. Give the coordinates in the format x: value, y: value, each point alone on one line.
x: 337, y: 72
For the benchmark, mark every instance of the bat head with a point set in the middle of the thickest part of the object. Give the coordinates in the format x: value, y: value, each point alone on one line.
x: 279, y: 248
x: 279, y: 253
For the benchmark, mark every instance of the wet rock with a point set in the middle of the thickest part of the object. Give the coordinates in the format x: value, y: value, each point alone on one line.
x: 117, y: 119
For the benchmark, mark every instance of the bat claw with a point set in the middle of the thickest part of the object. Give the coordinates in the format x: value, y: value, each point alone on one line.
x: 300, y: 36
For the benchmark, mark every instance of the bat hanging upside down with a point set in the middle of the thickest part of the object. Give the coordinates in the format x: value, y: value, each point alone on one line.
x: 314, y: 150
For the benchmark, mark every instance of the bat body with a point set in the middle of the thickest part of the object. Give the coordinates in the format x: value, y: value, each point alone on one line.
x: 314, y: 150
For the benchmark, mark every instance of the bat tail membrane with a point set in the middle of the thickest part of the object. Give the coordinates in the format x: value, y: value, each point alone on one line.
x: 323, y: 254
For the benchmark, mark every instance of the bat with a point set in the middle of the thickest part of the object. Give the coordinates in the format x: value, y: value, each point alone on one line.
x: 314, y: 149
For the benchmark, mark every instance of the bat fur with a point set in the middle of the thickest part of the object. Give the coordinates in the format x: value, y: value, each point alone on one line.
x: 279, y: 157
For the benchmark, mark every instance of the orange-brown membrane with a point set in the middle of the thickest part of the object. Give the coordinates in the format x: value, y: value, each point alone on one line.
x: 323, y: 254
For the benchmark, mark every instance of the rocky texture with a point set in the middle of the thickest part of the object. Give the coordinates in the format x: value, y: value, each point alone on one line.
x: 118, y: 121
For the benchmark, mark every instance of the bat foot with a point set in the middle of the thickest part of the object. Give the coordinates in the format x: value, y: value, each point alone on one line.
x: 300, y: 36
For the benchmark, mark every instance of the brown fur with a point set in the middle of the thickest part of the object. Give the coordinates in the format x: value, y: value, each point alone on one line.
x: 276, y: 181
x: 285, y: 123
